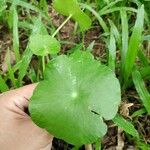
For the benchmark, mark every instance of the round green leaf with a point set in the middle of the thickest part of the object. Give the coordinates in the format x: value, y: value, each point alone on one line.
x: 42, y: 45
x: 72, y: 8
x: 76, y: 93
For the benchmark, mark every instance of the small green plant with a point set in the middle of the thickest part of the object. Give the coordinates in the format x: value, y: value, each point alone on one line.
x: 42, y: 45
x: 73, y: 10
x: 76, y: 87
x: 73, y: 99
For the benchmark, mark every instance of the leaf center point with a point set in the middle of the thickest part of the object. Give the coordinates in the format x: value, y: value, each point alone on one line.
x: 74, y: 95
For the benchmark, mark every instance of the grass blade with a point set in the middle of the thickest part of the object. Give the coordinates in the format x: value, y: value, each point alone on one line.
x: 125, y: 125
x: 125, y: 37
x: 15, y: 35
x: 98, y: 145
x: 115, y: 32
x: 32, y: 75
x: 43, y: 5
x: 144, y: 60
x: 145, y: 72
x: 3, y: 85
x: 2, y: 6
x: 24, y: 65
x: 138, y: 112
x: 110, y: 5
x: 27, y: 5
x: 141, y: 89
x: 143, y: 146
x: 112, y: 51
x: 112, y: 10
x: 135, y: 40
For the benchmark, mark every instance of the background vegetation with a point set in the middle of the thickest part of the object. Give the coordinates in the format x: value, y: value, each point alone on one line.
x: 119, y: 37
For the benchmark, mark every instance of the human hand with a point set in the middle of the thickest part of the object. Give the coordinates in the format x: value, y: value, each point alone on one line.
x: 17, y: 131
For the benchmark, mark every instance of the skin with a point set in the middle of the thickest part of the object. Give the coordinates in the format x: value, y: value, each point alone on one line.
x: 17, y: 131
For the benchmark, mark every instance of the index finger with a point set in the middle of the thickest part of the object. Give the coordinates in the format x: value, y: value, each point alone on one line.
x: 26, y: 91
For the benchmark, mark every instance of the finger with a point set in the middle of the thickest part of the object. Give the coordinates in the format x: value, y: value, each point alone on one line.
x: 18, y: 99
x: 48, y: 147
x: 22, y: 96
x: 26, y: 91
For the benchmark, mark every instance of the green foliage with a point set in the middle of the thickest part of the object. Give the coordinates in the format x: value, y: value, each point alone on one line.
x: 115, y: 32
x: 3, y: 85
x: 126, y: 126
x: 15, y: 34
x: 24, y: 65
x: 112, y: 51
x: 134, y: 43
x: 72, y: 8
x: 138, y: 112
x: 43, y: 5
x: 38, y: 27
x: 143, y: 146
x: 144, y: 60
x: 77, y: 91
x: 125, y: 38
x: 98, y: 17
x: 75, y: 97
x: 145, y: 72
x: 141, y: 89
x: 147, y: 6
x: 2, y: 6
x: 42, y: 45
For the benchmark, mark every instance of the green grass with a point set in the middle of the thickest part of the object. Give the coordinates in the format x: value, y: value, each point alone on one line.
x: 141, y: 89
x: 134, y: 44
x: 127, y: 126
x: 112, y: 50
x: 15, y: 34
x: 3, y: 85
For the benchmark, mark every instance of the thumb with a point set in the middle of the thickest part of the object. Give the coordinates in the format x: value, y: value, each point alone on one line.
x: 26, y: 91
x: 19, y: 97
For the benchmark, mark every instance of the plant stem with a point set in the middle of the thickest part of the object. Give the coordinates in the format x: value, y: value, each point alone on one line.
x: 58, y: 29
x: 98, y: 144
x: 43, y: 62
x: 88, y: 147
